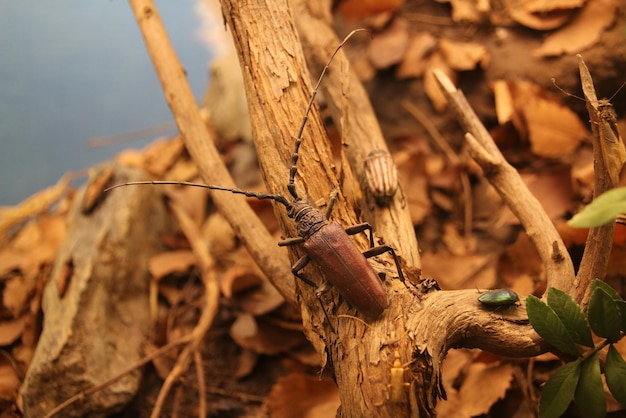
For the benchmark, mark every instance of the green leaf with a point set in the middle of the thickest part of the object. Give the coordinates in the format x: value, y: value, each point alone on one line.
x: 615, y: 372
x: 571, y: 315
x: 589, y: 396
x: 621, y: 305
x: 608, y: 289
x: 601, y: 210
x: 559, y: 390
x: 604, y: 316
x: 548, y: 325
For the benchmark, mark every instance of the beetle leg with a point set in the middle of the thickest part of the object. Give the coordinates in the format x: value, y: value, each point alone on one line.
x: 290, y: 241
x: 323, y: 288
x: 300, y: 264
x: 374, y: 251
x: 355, y: 229
x: 296, y: 268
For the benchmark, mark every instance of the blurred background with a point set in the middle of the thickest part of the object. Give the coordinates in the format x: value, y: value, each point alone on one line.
x: 74, y: 70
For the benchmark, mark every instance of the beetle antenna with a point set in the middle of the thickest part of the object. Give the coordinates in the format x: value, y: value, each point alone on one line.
x: 294, y: 157
x: 261, y: 196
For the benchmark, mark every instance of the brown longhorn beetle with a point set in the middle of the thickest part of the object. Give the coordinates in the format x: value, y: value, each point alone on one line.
x: 326, y: 243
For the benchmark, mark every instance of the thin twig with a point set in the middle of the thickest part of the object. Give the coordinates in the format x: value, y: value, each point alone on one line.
x: 202, y: 407
x: 508, y: 183
x: 209, y: 311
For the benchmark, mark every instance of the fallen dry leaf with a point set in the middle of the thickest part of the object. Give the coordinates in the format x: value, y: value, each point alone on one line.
x: 357, y: 9
x: 263, y: 337
x: 99, y: 179
x: 246, y: 361
x: 526, y: 16
x: 471, y: 11
x: 437, y: 62
x: 239, y: 279
x: 535, y: 6
x: 482, y: 386
x: 17, y: 292
x: 9, y: 380
x: 454, y: 242
x: 388, y: 47
x: 411, y: 164
x: 172, y: 262
x: 413, y: 63
x: 193, y: 200
x: 552, y: 186
x: 34, y: 205
x: 11, y: 330
x: 12, y: 259
x: 583, y: 32
x: 552, y: 129
x: 520, y: 268
x: 219, y: 235
x: 130, y: 158
x: 182, y: 170
x: 504, y: 101
x: 261, y: 300
x: 464, y: 56
x: 460, y: 272
x: 297, y: 396
x: 161, y: 155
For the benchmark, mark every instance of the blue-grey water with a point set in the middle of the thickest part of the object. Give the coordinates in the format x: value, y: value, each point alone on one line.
x: 76, y: 69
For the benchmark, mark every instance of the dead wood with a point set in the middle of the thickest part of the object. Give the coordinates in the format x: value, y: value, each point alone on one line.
x: 96, y: 327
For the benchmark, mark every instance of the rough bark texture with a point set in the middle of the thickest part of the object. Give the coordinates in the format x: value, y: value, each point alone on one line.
x: 96, y: 322
x: 360, y: 353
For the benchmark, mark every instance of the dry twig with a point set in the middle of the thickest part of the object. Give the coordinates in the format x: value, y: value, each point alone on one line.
x: 508, y: 183
x: 209, y: 310
x: 199, y: 143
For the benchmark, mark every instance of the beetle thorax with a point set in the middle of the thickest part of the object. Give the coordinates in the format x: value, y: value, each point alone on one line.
x: 308, y: 219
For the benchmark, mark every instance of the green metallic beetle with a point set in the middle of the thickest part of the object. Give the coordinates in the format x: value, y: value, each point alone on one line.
x: 499, y: 297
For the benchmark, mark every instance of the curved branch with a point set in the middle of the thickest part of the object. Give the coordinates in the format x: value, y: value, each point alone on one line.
x: 506, y: 180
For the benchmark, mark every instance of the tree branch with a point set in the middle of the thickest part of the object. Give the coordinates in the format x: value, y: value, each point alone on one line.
x: 351, y: 110
x: 199, y: 143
